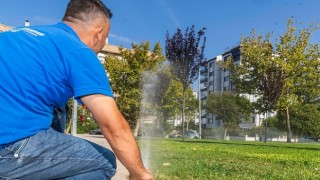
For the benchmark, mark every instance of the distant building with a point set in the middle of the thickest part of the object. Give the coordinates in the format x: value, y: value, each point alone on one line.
x: 4, y: 27
x: 215, y: 79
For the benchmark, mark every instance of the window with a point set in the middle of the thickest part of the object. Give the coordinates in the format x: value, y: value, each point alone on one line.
x: 233, y: 87
x: 237, y: 58
x: 261, y: 120
x: 226, y: 57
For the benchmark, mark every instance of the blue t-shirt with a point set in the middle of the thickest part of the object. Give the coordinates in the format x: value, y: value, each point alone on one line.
x: 42, y: 67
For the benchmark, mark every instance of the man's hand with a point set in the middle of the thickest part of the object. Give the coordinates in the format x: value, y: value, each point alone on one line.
x: 144, y: 176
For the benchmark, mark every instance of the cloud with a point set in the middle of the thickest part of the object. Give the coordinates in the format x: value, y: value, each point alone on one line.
x: 43, y: 20
x: 170, y: 13
x: 121, y: 38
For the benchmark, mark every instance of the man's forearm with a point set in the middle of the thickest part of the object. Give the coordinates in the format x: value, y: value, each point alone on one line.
x: 118, y: 133
x: 125, y: 147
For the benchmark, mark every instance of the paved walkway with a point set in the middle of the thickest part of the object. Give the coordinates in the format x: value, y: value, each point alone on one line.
x: 122, y: 172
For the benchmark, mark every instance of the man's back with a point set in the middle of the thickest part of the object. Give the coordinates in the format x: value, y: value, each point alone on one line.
x: 38, y: 71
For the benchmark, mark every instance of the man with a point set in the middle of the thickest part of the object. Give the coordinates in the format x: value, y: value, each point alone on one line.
x: 41, y: 68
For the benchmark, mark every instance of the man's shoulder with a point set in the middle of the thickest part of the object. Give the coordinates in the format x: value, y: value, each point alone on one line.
x: 62, y: 37
x: 58, y: 31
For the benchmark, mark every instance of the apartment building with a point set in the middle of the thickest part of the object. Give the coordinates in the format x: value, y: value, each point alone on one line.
x: 215, y: 79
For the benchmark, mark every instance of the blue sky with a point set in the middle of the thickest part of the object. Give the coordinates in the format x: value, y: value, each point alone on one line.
x: 149, y: 20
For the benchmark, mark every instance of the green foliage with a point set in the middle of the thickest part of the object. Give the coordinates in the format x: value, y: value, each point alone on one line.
x: 125, y: 73
x: 281, y: 75
x: 299, y: 62
x: 86, y: 125
x: 171, y: 106
x: 161, y: 86
x: 85, y: 121
x: 208, y: 159
x: 229, y: 108
x: 257, y: 73
x: 305, y: 120
x: 172, y: 102
x: 272, y: 122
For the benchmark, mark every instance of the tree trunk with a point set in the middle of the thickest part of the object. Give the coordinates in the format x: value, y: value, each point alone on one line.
x: 289, y: 133
x: 183, y: 111
x: 225, y: 133
x: 187, y: 124
x: 266, y: 128
x: 136, y: 129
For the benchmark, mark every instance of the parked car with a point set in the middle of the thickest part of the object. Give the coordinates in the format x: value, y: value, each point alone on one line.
x: 192, y: 134
x: 188, y: 134
x: 311, y: 139
x: 95, y: 132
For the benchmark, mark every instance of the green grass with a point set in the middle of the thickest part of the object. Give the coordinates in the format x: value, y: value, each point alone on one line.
x: 205, y: 159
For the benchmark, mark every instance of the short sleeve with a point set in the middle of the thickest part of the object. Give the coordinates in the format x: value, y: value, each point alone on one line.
x: 86, y: 74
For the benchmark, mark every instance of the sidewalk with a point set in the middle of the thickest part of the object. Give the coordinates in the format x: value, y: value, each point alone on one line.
x: 122, y: 172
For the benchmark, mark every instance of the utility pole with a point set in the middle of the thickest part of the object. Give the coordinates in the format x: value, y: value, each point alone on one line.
x: 74, y: 118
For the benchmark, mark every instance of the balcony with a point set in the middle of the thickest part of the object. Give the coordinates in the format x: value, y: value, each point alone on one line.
x: 203, y: 87
x: 203, y: 80
x: 203, y: 71
x: 203, y: 97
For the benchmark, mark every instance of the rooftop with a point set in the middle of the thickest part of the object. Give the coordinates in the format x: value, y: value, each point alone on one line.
x: 4, y: 27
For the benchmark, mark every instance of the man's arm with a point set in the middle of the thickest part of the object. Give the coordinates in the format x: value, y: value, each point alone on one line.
x: 118, y: 133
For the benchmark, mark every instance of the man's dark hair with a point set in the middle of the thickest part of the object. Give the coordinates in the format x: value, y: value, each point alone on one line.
x: 86, y: 10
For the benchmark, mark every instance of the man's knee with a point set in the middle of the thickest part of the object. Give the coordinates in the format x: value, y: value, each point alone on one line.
x: 106, y: 153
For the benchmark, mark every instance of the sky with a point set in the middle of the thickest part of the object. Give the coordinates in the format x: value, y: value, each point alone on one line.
x: 137, y: 21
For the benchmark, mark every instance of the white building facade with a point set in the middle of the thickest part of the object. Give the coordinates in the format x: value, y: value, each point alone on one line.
x: 215, y: 79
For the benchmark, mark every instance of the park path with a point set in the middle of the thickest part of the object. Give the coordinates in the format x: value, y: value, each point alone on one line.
x: 122, y: 173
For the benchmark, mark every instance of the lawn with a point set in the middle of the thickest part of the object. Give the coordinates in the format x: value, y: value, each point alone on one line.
x: 209, y: 159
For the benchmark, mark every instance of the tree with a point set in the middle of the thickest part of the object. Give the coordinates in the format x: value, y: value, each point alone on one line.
x: 280, y: 75
x: 230, y: 108
x: 170, y: 106
x: 155, y: 85
x: 125, y: 74
x: 192, y: 109
x: 258, y: 73
x: 185, y: 54
x: 300, y: 63
x: 305, y: 120
x: 163, y: 82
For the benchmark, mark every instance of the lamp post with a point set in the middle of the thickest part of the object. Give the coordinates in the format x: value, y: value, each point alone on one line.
x: 199, y: 99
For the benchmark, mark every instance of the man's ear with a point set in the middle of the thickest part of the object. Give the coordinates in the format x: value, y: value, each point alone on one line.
x: 97, y: 35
